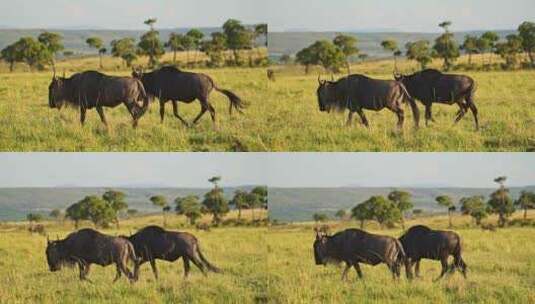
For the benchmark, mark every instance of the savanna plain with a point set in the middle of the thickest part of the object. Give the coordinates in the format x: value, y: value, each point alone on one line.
x: 282, y: 115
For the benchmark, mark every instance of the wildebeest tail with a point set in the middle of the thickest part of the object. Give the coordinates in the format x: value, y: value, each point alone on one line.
x: 235, y: 101
x: 206, y: 263
x: 412, y: 103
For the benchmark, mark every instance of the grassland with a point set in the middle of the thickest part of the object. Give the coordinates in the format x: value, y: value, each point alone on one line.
x: 282, y: 116
x: 239, y: 251
x: 500, y: 264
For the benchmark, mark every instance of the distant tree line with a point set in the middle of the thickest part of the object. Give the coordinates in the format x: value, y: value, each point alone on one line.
x: 108, y: 208
x: 387, y: 211
x: 37, y: 53
x: 332, y: 55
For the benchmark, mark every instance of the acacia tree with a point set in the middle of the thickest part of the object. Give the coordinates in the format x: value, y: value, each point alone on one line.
x: 238, y: 37
x: 76, y: 213
x: 362, y: 212
x: 470, y: 46
x: 150, y: 44
x: 447, y: 202
x: 320, y: 217
x: 11, y: 55
x: 96, y: 43
x: 125, y: 49
x: 500, y: 202
x: 161, y: 202
x: 196, y: 37
x: 215, y: 47
x: 305, y: 58
x: 391, y: 45
x: 509, y: 50
x: 56, y: 214
x: 446, y: 47
x: 262, y: 193
x: 348, y: 46
x: 240, y: 201
x: 341, y: 214
x: 526, y: 31
x: 214, y: 201
x: 189, y: 206
x: 475, y: 207
x: 261, y: 29
x: 420, y: 52
x: 116, y: 200
x: 53, y: 43
x: 32, y: 52
x: 526, y: 201
x: 33, y: 218
x: 174, y: 43
x: 402, y: 201
x: 492, y: 38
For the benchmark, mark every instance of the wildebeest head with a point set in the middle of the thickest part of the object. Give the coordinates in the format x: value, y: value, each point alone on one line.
x: 326, y: 96
x: 57, y: 92
x: 137, y: 73
x: 320, y: 248
x: 54, y: 255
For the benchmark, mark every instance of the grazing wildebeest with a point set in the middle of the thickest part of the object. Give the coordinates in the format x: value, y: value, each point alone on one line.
x: 170, y: 83
x: 92, y: 89
x: 153, y: 242
x: 432, y: 86
x: 421, y: 242
x: 357, y: 92
x: 354, y: 246
x: 88, y: 246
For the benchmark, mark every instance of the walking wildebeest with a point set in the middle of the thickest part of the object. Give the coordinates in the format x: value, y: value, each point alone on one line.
x: 170, y: 83
x: 432, y: 86
x: 357, y: 92
x: 153, y: 242
x: 88, y: 246
x: 354, y: 246
x: 93, y: 89
x: 421, y: 242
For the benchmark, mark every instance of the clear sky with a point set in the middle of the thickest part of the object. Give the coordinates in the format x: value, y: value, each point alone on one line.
x: 318, y: 15
x: 272, y: 169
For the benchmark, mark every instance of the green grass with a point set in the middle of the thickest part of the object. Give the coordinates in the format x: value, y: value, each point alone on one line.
x: 500, y: 264
x: 239, y: 252
x: 282, y: 116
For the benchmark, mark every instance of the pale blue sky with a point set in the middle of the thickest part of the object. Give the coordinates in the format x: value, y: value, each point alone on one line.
x: 318, y: 15
x: 272, y: 169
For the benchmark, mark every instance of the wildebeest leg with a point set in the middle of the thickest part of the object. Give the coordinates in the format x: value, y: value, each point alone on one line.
x: 363, y: 118
x: 175, y: 111
x: 186, y: 266
x: 101, y: 114
x: 203, y: 110
x: 461, y: 112
x: 133, y: 111
x: 444, y: 263
x: 344, y: 273
x: 428, y: 114
x: 82, y: 115
x: 162, y: 110
x: 460, y: 264
x: 84, y: 271
x: 154, y: 269
x: 212, y: 113
x: 359, y: 271
x: 417, y: 269
x: 118, y: 274
x: 474, y: 112
x: 400, y: 115
x: 349, y: 118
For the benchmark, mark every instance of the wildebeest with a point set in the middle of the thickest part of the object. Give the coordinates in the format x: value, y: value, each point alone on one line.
x: 358, y: 92
x: 153, y: 242
x: 432, y: 86
x: 93, y: 89
x: 271, y: 74
x: 421, y: 242
x: 170, y: 83
x: 354, y: 246
x: 88, y: 246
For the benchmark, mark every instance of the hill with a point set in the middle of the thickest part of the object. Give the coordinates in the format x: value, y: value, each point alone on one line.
x: 299, y: 204
x: 369, y: 43
x: 15, y: 203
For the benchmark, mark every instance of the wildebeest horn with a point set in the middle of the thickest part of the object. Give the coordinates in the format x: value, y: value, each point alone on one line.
x: 47, y: 239
x: 319, y: 79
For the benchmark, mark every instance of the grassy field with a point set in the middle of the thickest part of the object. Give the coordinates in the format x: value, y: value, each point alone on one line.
x: 282, y: 116
x: 238, y: 251
x: 501, y: 268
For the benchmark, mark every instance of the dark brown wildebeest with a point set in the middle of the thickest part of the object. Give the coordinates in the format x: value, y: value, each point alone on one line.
x: 432, y: 86
x: 155, y: 243
x: 92, y: 89
x: 354, y: 246
x: 170, y: 83
x: 421, y: 242
x: 358, y: 92
x: 88, y: 246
